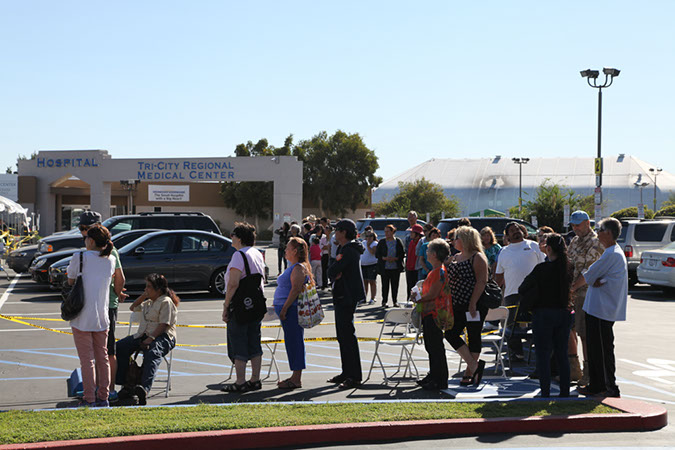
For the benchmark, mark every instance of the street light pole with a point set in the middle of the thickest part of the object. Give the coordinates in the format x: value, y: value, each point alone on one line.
x: 520, y: 162
x: 656, y: 172
x: 592, y: 79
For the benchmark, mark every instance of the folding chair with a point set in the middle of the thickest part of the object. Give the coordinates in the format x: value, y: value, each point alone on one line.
x: 495, y: 340
x: 135, y: 319
x: 270, y: 343
x: 405, y: 340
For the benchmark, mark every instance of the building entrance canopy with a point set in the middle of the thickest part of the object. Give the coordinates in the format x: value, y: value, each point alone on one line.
x: 100, y: 171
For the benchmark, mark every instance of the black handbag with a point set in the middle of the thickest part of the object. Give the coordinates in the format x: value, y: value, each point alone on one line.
x: 134, y: 372
x: 248, y: 302
x: 491, y: 297
x: 72, y: 304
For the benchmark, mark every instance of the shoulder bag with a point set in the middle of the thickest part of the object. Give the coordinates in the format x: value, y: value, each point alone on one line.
x: 73, y: 301
x: 491, y: 297
x: 310, y: 312
x: 248, y: 302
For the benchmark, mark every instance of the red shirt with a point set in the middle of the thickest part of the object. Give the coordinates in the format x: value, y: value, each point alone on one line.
x: 412, y: 257
x: 315, y: 252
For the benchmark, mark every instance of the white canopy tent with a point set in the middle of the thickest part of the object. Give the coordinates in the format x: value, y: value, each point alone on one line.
x: 13, y: 215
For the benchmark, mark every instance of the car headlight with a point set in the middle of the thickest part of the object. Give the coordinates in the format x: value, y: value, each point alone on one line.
x: 40, y: 263
x: 46, y: 248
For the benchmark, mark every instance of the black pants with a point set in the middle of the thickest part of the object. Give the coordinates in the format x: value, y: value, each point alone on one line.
x: 346, y: 337
x: 324, y: 270
x: 514, y: 332
x: 390, y: 277
x: 473, y: 329
x: 601, y: 362
x: 411, y: 278
x: 433, y: 343
x: 551, y: 331
x: 282, y: 259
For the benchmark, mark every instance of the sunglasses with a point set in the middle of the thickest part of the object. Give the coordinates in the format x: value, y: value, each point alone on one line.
x: 84, y: 227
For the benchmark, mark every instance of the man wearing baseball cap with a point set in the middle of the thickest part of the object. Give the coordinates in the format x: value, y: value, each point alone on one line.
x: 348, y: 291
x: 584, y: 250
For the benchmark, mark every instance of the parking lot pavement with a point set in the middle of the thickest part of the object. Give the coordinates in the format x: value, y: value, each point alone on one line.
x: 35, y: 363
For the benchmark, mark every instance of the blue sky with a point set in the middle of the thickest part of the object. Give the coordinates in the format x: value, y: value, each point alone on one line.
x: 417, y: 80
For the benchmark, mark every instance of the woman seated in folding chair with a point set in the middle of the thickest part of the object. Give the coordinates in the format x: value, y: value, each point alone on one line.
x: 156, y: 335
x: 290, y: 284
x: 436, y: 311
x: 546, y: 290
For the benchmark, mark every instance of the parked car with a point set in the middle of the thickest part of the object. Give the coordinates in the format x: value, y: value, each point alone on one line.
x: 118, y: 224
x: 657, y: 267
x: 379, y: 223
x: 640, y: 235
x: 496, y: 223
x: 20, y: 259
x: 39, y: 268
x: 191, y: 260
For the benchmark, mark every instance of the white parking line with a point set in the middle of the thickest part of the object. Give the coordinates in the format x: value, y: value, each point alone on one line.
x: 5, y: 294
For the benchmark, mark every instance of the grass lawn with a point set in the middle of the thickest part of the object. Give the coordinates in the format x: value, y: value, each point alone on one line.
x: 37, y: 426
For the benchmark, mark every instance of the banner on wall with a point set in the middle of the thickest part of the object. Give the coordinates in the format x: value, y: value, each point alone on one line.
x: 159, y: 193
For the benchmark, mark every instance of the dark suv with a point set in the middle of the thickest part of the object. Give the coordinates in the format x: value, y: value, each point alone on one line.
x: 117, y: 224
x: 379, y: 223
x: 496, y: 223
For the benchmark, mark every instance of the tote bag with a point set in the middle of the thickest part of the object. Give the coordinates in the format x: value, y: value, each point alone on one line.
x: 248, y: 303
x: 310, y: 312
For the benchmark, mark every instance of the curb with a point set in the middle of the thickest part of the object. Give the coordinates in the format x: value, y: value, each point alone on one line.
x: 636, y: 416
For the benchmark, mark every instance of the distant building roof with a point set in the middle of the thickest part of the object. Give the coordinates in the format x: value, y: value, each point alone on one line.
x: 493, y: 182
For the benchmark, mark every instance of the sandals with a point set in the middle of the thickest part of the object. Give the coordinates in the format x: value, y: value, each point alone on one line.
x: 350, y: 383
x: 288, y: 384
x: 337, y: 379
x: 467, y: 380
x: 234, y: 387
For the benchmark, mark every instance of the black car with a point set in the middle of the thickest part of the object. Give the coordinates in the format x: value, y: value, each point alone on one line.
x: 20, y: 259
x: 190, y: 260
x: 39, y: 268
x: 117, y: 224
x: 496, y: 223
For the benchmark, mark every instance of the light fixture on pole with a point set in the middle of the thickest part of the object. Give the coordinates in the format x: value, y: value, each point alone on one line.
x: 130, y: 186
x: 656, y: 172
x: 520, y: 162
x: 592, y: 79
x: 640, y: 184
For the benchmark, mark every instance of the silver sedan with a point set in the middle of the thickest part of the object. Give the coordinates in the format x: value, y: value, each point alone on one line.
x: 657, y: 267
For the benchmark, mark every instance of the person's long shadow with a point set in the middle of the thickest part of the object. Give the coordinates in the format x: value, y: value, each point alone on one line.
x: 214, y: 395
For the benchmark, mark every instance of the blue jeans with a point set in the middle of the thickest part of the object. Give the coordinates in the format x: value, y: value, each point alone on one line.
x: 294, y: 337
x: 346, y: 337
x: 152, y: 357
x: 551, y: 330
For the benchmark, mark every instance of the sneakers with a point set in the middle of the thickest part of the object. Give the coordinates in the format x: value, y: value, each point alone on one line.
x: 113, y: 396
x: 102, y: 403
x: 372, y: 300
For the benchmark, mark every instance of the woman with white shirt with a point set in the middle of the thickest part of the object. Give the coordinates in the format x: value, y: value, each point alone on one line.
x: 90, y: 327
x: 243, y: 339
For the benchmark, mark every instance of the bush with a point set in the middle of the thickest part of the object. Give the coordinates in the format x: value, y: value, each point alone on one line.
x: 666, y: 211
x: 631, y: 212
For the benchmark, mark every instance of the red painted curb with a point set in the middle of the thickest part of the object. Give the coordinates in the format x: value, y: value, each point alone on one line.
x: 637, y: 416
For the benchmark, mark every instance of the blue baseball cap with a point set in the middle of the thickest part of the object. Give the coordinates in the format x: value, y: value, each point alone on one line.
x: 579, y: 216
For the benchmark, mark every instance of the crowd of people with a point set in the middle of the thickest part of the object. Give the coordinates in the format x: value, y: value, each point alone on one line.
x: 563, y: 290
x: 562, y: 287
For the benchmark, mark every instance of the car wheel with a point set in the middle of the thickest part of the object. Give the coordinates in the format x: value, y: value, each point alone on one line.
x: 218, y: 282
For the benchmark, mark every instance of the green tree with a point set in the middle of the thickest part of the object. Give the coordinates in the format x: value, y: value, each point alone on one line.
x: 632, y: 212
x: 253, y: 199
x: 338, y: 171
x: 670, y: 201
x: 666, y: 211
x: 422, y: 196
x: 9, y: 169
x: 250, y: 199
x: 549, y: 205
